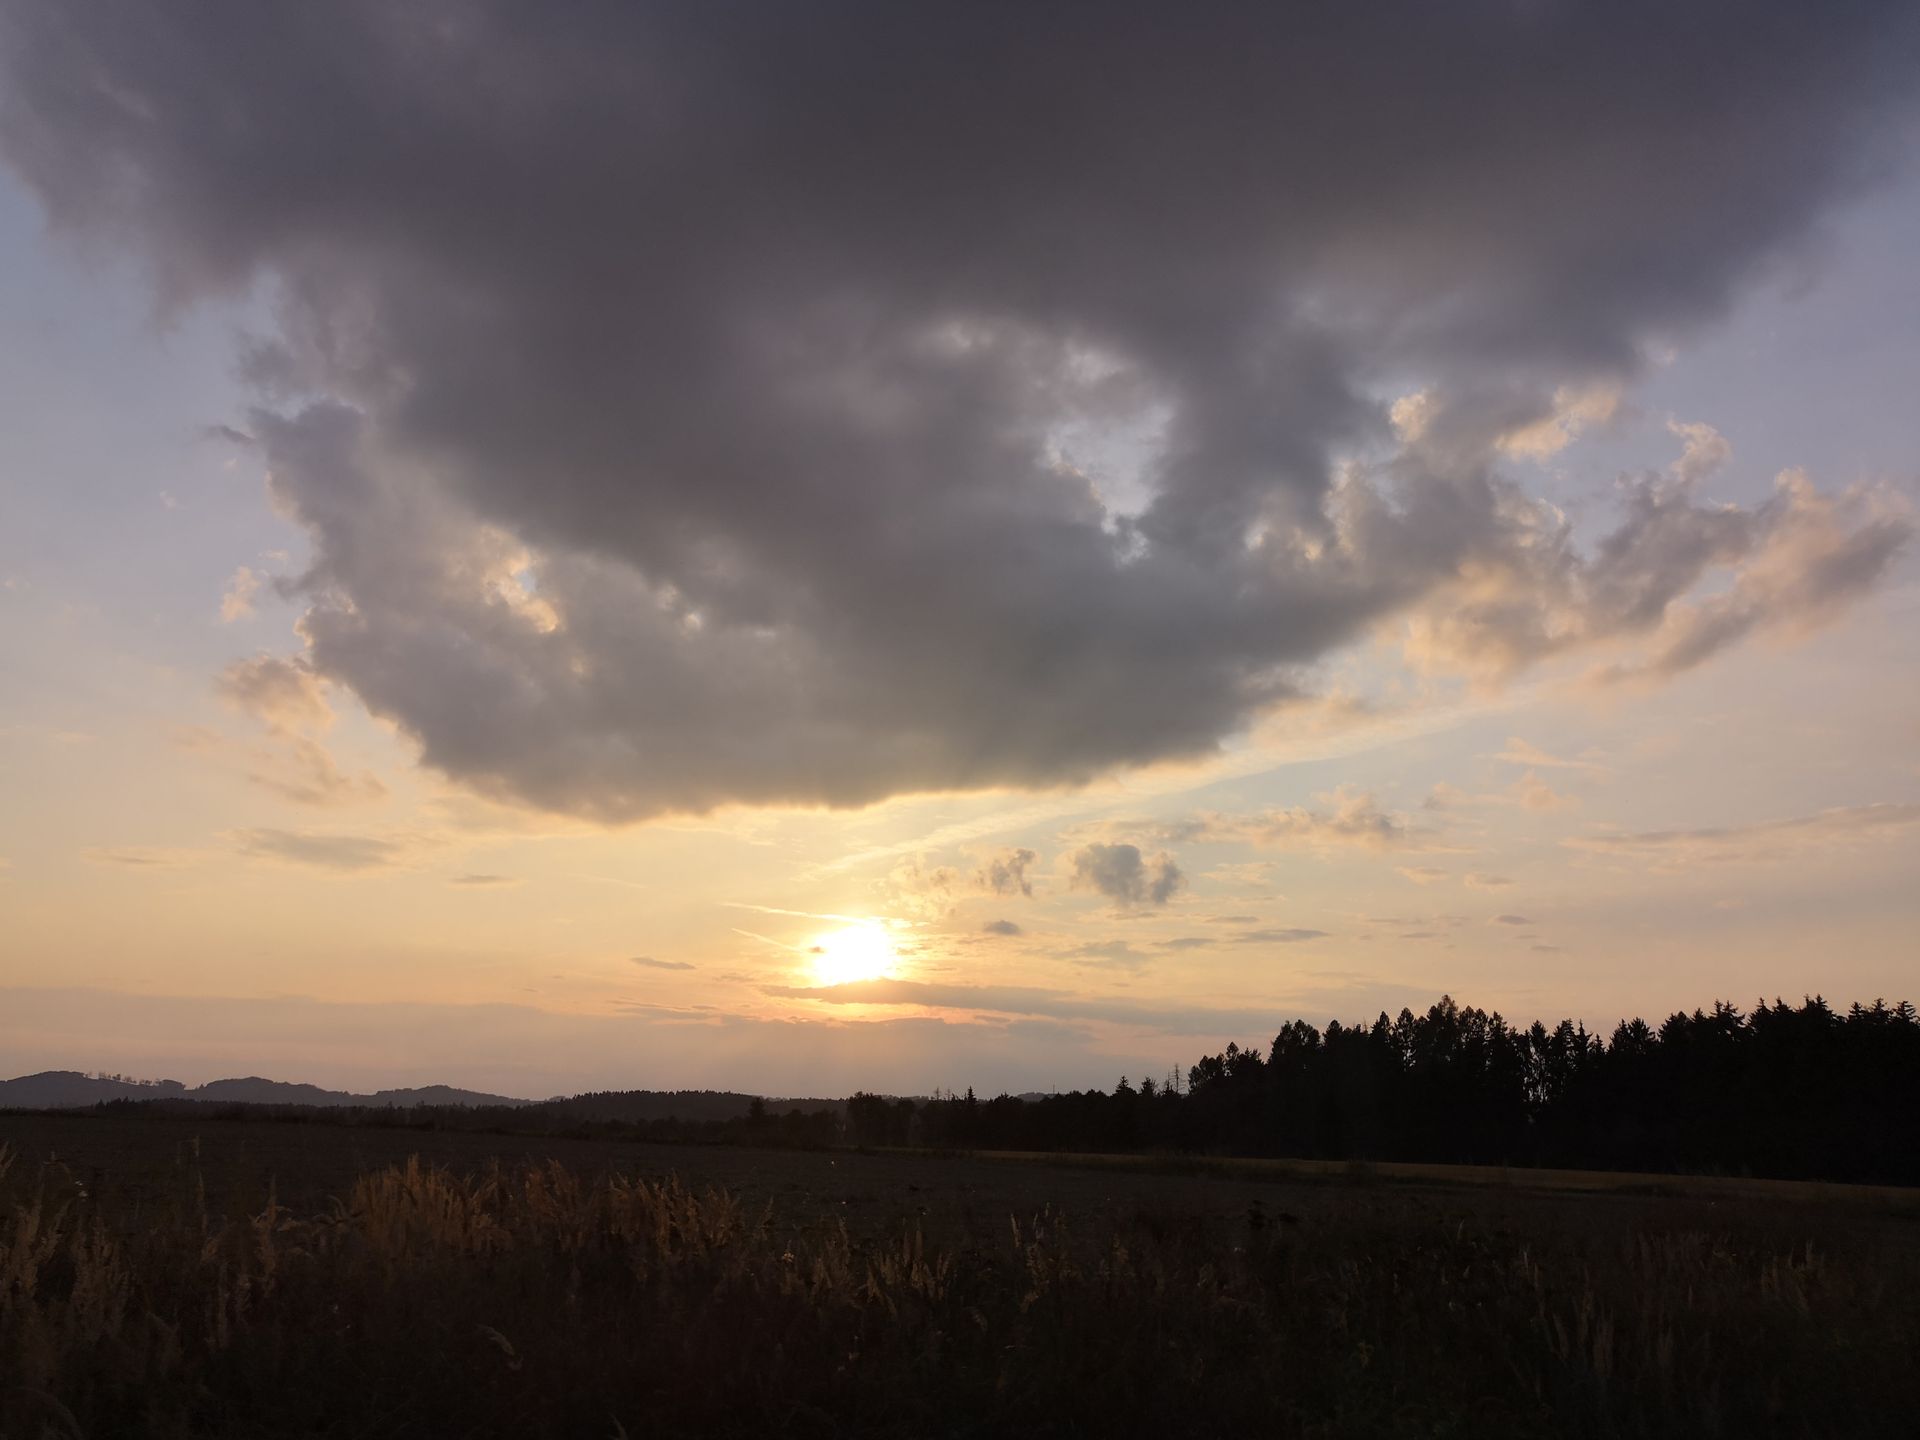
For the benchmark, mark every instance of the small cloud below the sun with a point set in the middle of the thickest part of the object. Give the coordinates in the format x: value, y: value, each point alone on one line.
x: 1001, y: 927
x: 647, y: 962
x: 1510, y: 920
x: 482, y: 882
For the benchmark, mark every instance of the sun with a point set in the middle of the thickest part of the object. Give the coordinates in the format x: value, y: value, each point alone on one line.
x: 860, y: 951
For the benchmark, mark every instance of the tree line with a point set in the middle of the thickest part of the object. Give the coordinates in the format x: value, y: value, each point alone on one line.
x: 1785, y: 1091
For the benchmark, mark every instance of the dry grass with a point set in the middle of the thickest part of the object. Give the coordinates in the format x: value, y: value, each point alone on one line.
x: 533, y: 1301
x: 1743, y: 1187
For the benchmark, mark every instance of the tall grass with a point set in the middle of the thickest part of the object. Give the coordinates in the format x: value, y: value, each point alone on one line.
x: 535, y: 1302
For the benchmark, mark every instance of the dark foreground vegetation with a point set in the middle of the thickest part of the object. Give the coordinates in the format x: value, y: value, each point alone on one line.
x: 541, y: 1299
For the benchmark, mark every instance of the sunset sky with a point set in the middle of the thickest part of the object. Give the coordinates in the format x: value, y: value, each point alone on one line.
x: 795, y: 548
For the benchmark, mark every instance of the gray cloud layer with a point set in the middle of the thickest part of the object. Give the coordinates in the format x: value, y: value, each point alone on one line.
x: 1825, y: 830
x: 814, y: 403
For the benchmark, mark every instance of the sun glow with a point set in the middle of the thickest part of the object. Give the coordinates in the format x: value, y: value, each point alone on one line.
x: 857, y: 952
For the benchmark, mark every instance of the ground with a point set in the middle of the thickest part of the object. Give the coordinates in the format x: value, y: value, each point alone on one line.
x: 149, y: 1284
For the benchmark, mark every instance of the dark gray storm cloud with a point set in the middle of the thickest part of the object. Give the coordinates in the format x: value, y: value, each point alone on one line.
x: 696, y: 404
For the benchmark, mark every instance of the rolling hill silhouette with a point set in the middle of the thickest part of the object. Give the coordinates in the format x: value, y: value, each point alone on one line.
x: 70, y: 1089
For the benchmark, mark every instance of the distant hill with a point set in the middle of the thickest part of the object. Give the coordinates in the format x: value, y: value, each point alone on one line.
x: 63, y: 1089
x: 69, y: 1089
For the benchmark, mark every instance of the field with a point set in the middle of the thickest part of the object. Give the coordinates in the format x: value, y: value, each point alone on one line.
x: 177, y: 1277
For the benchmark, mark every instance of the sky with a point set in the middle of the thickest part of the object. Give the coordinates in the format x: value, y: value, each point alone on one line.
x: 856, y: 546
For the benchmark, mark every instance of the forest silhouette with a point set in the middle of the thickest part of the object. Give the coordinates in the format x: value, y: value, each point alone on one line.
x: 1788, y: 1092
x: 1793, y: 1092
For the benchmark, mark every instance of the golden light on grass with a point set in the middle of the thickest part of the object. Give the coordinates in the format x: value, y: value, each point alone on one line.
x: 860, y: 951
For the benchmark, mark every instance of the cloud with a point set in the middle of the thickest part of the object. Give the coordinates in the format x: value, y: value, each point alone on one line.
x: 1006, y: 873
x: 1478, y: 880
x: 306, y: 773
x: 1675, y: 583
x: 1418, y: 926
x: 1510, y: 920
x: 1341, y: 818
x: 997, y: 407
x: 1125, y: 876
x: 1765, y: 840
x: 482, y: 882
x: 136, y: 858
x: 237, y: 602
x: 1704, y: 450
x: 1108, y: 955
x: 346, y: 853
x: 228, y: 435
x: 1345, y: 818
x: 1024, y: 1000
x: 285, y: 697
x: 1532, y: 757
x: 1530, y: 792
x: 1354, y: 818
x: 1573, y: 411
x: 649, y: 963
x: 920, y: 887
x: 281, y: 694
x: 1188, y: 942
x: 1423, y: 874
x: 1291, y: 936
x: 1807, y: 557
x: 1534, y: 793
x: 1001, y: 927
